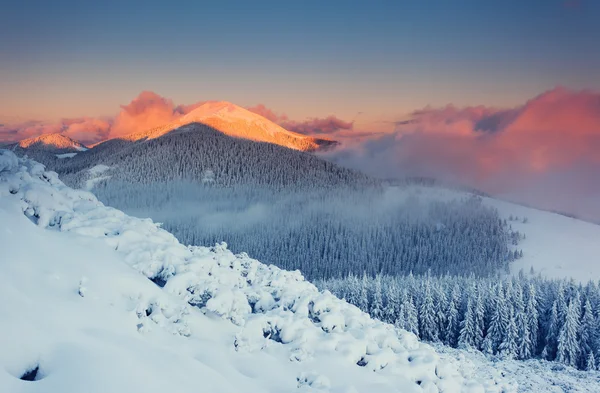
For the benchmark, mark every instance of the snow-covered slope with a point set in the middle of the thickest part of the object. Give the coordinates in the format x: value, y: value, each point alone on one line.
x: 53, y: 143
x: 555, y: 245
x: 103, y: 302
x: 238, y: 122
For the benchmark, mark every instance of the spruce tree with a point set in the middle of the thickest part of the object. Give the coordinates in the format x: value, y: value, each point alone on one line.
x: 550, y: 348
x: 363, y: 297
x: 587, y: 334
x: 427, y: 316
x: 508, y: 347
x: 590, y: 364
x: 376, y: 309
x: 498, y: 323
x: 392, y: 303
x: 524, y: 340
x: 532, y: 314
x: 466, y: 338
x: 479, y: 319
x: 452, y: 322
x: 411, y: 318
x: 568, y: 347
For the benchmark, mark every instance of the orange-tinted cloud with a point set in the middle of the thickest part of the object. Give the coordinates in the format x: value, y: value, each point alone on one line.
x: 312, y: 126
x: 315, y: 126
x: 86, y: 130
x: 267, y: 113
x: 545, y: 152
x: 147, y: 110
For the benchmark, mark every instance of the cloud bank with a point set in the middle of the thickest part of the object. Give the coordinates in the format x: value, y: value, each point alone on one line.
x: 545, y: 152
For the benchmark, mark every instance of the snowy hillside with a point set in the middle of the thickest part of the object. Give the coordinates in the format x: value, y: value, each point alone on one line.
x: 238, y: 122
x: 56, y: 143
x: 100, y: 302
x: 555, y: 245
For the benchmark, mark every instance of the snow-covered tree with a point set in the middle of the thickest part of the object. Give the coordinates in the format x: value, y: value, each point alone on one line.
x: 468, y: 327
x: 376, y: 307
x: 452, y: 322
x: 587, y: 334
x: 568, y: 347
x: 508, y: 348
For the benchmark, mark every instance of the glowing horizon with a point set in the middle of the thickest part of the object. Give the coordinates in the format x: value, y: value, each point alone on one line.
x: 70, y: 60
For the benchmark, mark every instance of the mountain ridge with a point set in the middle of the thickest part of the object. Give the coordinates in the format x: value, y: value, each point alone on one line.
x: 235, y: 121
x: 53, y: 142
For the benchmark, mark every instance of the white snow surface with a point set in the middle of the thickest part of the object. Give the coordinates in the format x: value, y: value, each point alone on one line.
x: 78, y: 303
x: 556, y: 246
x: 95, y: 175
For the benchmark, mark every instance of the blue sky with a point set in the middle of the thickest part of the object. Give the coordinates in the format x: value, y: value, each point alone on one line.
x: 305, y: 58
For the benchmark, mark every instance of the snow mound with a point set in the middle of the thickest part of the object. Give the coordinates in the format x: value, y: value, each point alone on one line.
x: 238, y: 122
x: 228, y: 312
x: 52, y: 142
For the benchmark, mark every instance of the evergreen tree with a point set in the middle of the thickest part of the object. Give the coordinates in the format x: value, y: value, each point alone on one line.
x: 531, y: 311
x: 363, y: 298
x: 498, y: 323
x: 410, y: 316
x: 508, y: 347
x: 468, y: 327
x: 524, y: 339
x: 441, y: 305
x: 392, y: 304
x: 376, y: 309
x: 587, y: 333
x: 452, y: 322
x: 427, y: 316
x: 568, y: 347
x: 549, y: 352
x: 590, y: 364
x: 401, y: 322
x: 479, y: 319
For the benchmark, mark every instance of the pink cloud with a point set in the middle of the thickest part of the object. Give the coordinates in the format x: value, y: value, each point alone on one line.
x: 86, y: 130
x: 267, y: 113
x: 147, y: 110
x: 312, y: 126
x: 325, y: 126
x: 543, y: 153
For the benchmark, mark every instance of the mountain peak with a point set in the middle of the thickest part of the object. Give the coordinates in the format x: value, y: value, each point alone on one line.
x: 52, y: 142
x: 238, y: 122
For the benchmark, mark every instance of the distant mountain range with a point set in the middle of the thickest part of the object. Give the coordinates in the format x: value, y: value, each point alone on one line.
x: 225, y: 117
